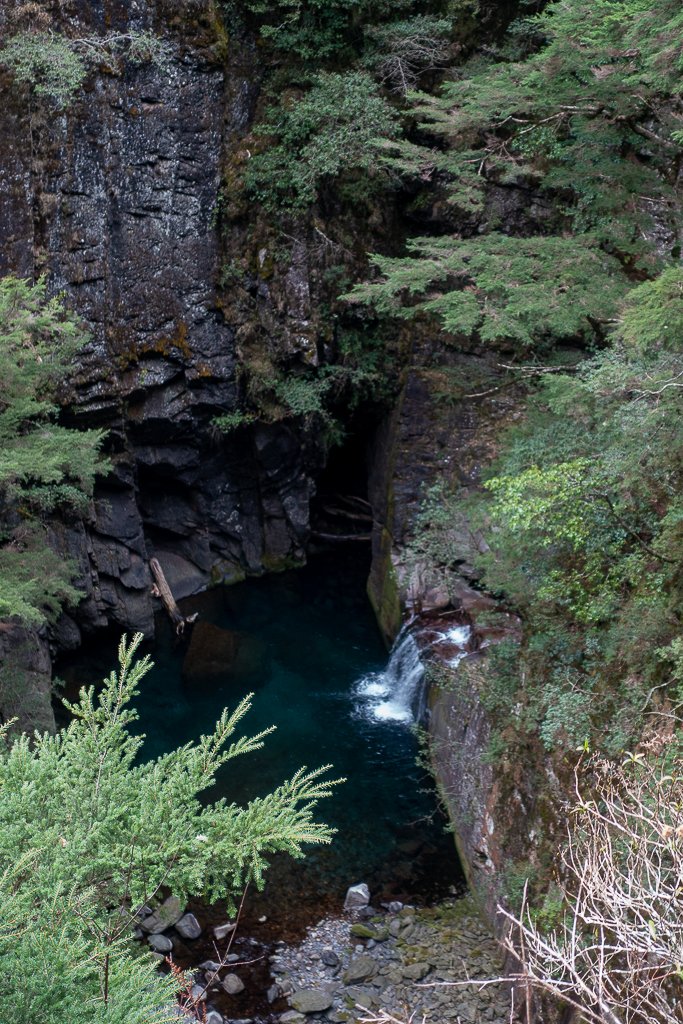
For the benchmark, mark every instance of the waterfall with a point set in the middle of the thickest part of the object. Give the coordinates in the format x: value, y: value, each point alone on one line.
x: 397, y: 694
x: 394, y: 694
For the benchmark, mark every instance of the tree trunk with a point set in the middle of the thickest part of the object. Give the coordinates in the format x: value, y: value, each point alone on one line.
x: 161, y: 589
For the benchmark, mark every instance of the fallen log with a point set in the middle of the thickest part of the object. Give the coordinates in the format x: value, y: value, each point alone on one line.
x: 161, y: 589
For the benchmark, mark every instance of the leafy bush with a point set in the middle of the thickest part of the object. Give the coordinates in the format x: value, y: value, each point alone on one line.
x: 55, y: 65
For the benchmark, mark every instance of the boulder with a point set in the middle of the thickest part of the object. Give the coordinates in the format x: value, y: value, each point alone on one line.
x: 311, y: 1000
x: 357, y: 896
x: 165, y: 916
x: 189, y: 927
x: 361, y: 968
x: 415, y: 972
x: 232, y: 984
x: 160, y: 943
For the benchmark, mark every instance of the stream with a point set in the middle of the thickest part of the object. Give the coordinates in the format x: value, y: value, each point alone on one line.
x: 305, y: 642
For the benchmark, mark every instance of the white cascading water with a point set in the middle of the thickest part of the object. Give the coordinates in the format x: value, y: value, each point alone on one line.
x: 397, y: 694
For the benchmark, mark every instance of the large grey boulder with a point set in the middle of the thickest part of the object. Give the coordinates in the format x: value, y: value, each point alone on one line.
x: 357, y: 897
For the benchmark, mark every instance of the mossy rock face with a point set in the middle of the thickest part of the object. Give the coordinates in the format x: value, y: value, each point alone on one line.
x: 383, y: 590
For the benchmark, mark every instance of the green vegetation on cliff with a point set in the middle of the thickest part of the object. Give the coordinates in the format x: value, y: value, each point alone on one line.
x: 554, y: 159
x: 44, y: 466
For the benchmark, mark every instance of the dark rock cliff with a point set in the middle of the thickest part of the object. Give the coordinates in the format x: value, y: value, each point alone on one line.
x: 115, y: 200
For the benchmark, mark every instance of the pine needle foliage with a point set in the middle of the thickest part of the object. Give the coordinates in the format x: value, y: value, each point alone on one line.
x: 327, y: 132
x: 588, y: 120
x: 41, y: 468
x: 529, y: 293
x: 88, y: 832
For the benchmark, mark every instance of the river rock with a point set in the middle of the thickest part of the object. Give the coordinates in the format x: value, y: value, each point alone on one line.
x: 357, y: 896
x: 160, y: 943
x: 166, y: 915
x: 361, y: 997
x: 232, y: 984
x: 330, y: 958
x: 311, y: 1000
x: 189, y: 927
x: 221, y: 930
x: 361, y: 968
x: 214, y: 1017
x: 292, y: 1017
x: 210, y: 965
x: 415, y: 972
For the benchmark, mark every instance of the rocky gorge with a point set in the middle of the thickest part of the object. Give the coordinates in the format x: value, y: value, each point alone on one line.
x: 129, y: 203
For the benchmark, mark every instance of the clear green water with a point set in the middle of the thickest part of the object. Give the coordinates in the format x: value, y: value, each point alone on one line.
x: 307, y: 638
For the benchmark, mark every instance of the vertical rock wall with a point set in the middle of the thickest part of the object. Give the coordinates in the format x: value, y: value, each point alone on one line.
x: 115, y: 200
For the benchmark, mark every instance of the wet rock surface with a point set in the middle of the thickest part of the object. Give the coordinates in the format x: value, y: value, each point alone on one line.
x: 403, y: 963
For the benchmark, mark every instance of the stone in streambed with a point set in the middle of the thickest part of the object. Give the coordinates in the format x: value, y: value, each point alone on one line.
x: 357, y: 896
x: 292, y: 1017
x: 221, y: 930
x: 364, y: 931
x: 415, y: 972
x: 330, y: 958
x: 310, y: 1000
x: 160, y: 943
x: 360, y: 997
x: 166, y: 915
x: 189, y: 927
x: 361, y: 968
x: 232, y: 984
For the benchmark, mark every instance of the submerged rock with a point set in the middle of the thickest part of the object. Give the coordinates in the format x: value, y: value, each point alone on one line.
x: 232, y: 984
x: 223, y: 654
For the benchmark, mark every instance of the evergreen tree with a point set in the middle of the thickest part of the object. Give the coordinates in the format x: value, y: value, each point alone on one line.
x: 41, y: 468
x: 88, y: 833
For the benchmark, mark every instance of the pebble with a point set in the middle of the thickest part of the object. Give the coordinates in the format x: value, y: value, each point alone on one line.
x: 446, y: 943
